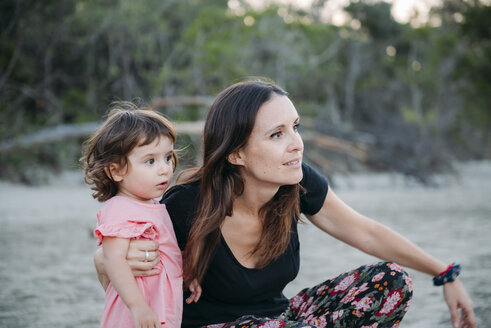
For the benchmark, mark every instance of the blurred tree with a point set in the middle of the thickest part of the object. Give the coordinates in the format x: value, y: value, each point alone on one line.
x: 375, y: 18
x: 475, y: 68
x: 372, y: 80
x: 468, y: 22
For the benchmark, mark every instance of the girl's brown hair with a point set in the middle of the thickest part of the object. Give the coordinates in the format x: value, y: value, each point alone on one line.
x: 228, y: 126
x: 126, y: 127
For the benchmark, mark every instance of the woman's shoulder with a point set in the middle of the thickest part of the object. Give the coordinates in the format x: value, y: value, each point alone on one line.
x: 181, y: 192
x: 315, y: 190
x: 181, y: 201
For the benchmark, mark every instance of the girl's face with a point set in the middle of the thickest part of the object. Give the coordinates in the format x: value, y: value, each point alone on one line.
x: 273, y: 153
x: 148, y: 172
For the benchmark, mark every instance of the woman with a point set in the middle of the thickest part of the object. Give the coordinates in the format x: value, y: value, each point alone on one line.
x: 236, y: 218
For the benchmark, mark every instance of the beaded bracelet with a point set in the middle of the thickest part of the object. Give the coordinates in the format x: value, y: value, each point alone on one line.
x: 448, y: 275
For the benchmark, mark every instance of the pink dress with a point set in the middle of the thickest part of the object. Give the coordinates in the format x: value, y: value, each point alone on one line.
x: 123, y: 217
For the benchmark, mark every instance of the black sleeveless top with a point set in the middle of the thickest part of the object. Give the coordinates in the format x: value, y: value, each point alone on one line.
x: 231, y: 290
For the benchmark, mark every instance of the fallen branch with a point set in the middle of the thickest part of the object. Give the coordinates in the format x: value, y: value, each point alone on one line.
x: 360, y: 152
x: 73, y: 131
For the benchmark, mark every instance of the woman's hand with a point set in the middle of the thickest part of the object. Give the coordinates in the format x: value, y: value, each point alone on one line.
x: 457, y: 298
x: 137, y: 259
x: 195, y: 290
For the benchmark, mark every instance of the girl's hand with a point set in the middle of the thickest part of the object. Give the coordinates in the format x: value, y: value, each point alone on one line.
x: 136, y: 257
x: 457, y: 298
x: 144, y: 317
x: 195, y: 290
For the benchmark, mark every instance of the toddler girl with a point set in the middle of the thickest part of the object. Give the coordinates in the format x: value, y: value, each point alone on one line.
x: 130, y: 161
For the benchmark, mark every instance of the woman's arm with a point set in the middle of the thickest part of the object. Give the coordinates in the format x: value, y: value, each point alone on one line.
x: 342, y: 222
x: 139, y: 267
x: 121, y: 277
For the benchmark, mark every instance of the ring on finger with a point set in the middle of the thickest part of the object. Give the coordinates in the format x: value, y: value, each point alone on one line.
x: 147, y: 256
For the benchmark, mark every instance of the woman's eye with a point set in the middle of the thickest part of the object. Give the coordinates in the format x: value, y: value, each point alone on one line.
x: 276, y: 135
x: 150, y: 161
x: 296, y: 127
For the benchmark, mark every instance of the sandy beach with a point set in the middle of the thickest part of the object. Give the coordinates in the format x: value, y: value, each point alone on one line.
x: 47, y: 277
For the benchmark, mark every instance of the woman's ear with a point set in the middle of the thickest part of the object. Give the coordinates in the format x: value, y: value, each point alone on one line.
x: 236, y: 158
x: 115, y: 172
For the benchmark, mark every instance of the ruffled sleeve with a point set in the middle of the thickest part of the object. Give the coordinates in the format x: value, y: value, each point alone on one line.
x: 126, y: 230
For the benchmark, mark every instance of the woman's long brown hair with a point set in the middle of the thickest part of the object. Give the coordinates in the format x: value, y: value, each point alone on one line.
x: 228, y: 126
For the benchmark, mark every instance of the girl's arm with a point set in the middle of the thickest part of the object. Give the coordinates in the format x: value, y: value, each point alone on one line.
x: 135, y: 259
x: 100, y: 269
x: 342, y: 222
x: 120, y: 275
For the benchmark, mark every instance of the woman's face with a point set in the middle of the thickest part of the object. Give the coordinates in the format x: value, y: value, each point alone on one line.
x: 273, y: 153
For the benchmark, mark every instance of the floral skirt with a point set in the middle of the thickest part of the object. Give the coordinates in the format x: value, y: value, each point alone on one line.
x: 376, y: 295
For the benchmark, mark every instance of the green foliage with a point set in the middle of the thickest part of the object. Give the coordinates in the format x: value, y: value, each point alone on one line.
x: 64, y: 61
x: 375, y: 19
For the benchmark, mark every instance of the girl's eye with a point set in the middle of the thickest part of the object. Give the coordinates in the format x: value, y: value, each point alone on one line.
x: 150, y: 161
x: 168, y: 158
x: 296, y: 127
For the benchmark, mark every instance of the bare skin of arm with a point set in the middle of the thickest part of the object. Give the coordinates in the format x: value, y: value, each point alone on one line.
x: 139, y: 268
x: 135, y: 259
x: 342, y: 222
x: 118, y: 271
